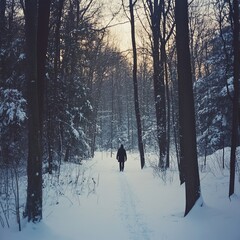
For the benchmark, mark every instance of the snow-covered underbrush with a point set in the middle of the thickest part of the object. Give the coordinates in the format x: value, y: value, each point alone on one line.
x: 12, y: 194
x: 73, y: 181
x: 69, y: 183
x: 216, y: 164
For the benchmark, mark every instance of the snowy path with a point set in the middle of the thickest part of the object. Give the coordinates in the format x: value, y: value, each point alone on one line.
x: 111, y: 212
x: 132, y: 218
x: 129, y: 205
x: 118, y: 202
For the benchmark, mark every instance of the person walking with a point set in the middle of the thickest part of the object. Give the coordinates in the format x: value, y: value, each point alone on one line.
x: 121, y: 157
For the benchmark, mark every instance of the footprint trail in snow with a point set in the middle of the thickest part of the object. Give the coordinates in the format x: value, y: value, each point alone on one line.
x: 131, y: 216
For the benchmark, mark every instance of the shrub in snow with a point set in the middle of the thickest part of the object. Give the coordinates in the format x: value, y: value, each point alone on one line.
x: 12, y: 107
x: 12, y: 125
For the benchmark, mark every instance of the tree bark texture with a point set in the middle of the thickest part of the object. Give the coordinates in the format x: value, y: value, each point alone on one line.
x: 2, y: 20
x: 37, y: 20
x: 34, y: 167
x: 158, y: 80
x: 2, y: 34
x: 42, y: 43
x: 189, y: 162
x: 135, y: 86
x: 236, y: 65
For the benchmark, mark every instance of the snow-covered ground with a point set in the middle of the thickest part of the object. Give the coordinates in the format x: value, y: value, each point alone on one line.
x: 95, y: 201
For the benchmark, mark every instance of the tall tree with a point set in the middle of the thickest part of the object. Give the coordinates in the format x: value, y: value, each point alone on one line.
x: 36, y: 21
x: 236, y: 65
x: 34, y: 168
x: 155, y: 8
x: 42, y: 44
x: 188, y: 146
x: 51, y: 98
x: 2, y: 20
x: 2, y: 34
x: 135, y: 84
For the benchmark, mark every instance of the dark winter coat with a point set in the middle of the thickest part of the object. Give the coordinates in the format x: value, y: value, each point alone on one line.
x: 121, y: 154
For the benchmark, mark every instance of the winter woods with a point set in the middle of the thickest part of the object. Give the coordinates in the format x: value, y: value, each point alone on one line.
x: 66, y: 87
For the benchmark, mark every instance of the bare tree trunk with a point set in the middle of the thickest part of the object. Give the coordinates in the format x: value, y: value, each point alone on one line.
x: 112, y: 116
x: 51, y: 102
x: 2, y: 34
x: 57, y: 38
x: 135, y: 85
x: 236, y: 66
x: 189, y: 161
x: 159, y: 93
x: 168, y: 118
x: 34, y: 167
x: 156, y: 13
x: 42, y: 43
x: 2, y: 20
x: 37, y: 19
x: 15, y: 187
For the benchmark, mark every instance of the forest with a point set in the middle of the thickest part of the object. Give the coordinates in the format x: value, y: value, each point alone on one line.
x: 69, y: 90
